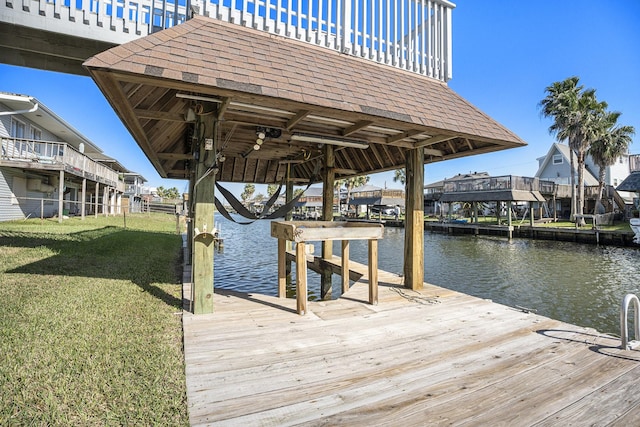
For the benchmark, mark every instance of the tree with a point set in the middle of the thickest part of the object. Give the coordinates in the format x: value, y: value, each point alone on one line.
x: 246, y: 195
x: 271, y: 189
x: 400, y: 176
x: 576, y: 113
x: 354, y: 182
x: 611, y: 142
x: 168, y: 193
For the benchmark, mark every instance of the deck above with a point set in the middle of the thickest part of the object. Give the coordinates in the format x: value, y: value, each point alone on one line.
x: 55, y: 156
x: 434, y: 357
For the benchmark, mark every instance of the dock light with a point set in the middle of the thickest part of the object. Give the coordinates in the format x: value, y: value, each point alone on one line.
x: 324, y: 139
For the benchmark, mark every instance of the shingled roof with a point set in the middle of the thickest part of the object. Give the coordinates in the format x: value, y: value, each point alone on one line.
x: 261, y: 80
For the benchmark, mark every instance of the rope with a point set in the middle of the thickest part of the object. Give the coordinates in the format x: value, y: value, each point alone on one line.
x: 419, y: 299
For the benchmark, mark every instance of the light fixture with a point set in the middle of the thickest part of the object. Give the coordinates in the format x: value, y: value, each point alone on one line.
x: 261, y: 135
x: 323, y: 139
x: 198, y: 98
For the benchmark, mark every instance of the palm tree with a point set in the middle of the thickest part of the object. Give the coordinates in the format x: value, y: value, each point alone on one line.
x: 576, y: 113
x: 354, y: 182
x: 612, y: 142
x: 400, y: 175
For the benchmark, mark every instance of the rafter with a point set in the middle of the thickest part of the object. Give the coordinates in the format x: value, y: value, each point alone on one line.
x: 356, y: 127
x: 300, y: 115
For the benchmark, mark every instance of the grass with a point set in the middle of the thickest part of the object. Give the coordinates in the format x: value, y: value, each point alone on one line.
x: 89, y: 324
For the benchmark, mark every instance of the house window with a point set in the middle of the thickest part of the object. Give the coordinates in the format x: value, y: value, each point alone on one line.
x: 615, y: 182
x: 18, y: 128
x: 36, y: 134
x: 557, y: 159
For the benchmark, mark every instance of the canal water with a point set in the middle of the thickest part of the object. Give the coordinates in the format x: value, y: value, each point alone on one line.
x: 576, y: 283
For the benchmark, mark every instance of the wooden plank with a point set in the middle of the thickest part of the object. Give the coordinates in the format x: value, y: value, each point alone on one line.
x: 299, y: 231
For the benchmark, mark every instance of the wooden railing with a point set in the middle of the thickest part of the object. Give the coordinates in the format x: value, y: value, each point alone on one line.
x: 506, y: 182
x: 414, y: 35
x: 59, y: 154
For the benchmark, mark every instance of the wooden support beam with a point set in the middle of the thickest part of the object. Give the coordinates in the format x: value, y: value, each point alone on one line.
x: 342, y: 171
x: 434, y: 140
x: 403, y: 135
x: 175, y: 156
x: 453, y: 149
x: 356, y: 127
x: 223, y: 107
x: 60, y: 195
x: 328, y: 179
x: 159, y: 115
x: 203, y: 242
x: 293, y: 121
x: 414, y: 220
x: 432, y: 152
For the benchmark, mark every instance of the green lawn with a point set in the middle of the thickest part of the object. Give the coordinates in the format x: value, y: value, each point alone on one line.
x: 90, y: 324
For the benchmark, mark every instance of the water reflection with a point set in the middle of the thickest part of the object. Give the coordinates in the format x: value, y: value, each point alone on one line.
x: 580, y: 284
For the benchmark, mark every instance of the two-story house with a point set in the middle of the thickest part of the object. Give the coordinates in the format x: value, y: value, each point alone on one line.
x: 48, y: 168
x: 556, y: 166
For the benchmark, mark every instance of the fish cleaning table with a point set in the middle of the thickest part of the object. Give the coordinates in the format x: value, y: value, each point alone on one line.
x: 302, y: 232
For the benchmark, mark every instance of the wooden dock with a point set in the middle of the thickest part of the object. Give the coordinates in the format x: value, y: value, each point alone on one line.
x: 434, y: 357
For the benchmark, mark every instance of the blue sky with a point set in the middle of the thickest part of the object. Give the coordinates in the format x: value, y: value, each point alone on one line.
x: 505, y: 53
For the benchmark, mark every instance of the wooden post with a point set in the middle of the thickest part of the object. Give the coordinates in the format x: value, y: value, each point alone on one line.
x: 95, y: 206
x: 301, y: 278
x: 282, y: 268
x: 345, y: 266
x: 328, y: 178
x: 83, y: 205
x: 203, y: 242
x: 475, y: 212
x: 531, y: 214
x: 60, y: 195
x: 288, y: 197
x: 509, y: 205
x: 414, y: 220
x: 373, y: 272
x: 190, y: 218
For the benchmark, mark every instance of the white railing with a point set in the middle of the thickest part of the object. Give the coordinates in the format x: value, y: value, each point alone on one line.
x: 413, y: 35
x: 58, y: 154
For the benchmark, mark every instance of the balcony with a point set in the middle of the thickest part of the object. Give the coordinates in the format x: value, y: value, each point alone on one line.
x: 414, y: 35
x: 43, y: 155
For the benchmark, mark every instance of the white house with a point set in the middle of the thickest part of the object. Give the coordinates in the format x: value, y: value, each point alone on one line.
x: 556, y: 166
x: 48, y: 168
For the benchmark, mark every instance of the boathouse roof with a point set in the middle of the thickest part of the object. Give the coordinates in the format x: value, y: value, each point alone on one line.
x: 255, y: 80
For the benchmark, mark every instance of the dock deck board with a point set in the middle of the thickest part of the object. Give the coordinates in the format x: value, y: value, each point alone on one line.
x: 430, y: 357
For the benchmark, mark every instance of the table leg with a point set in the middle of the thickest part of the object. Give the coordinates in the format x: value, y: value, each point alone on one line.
x: 301, y: 278
x: 345, y: 266
x: 373, y: 272
x: 282, y: 271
